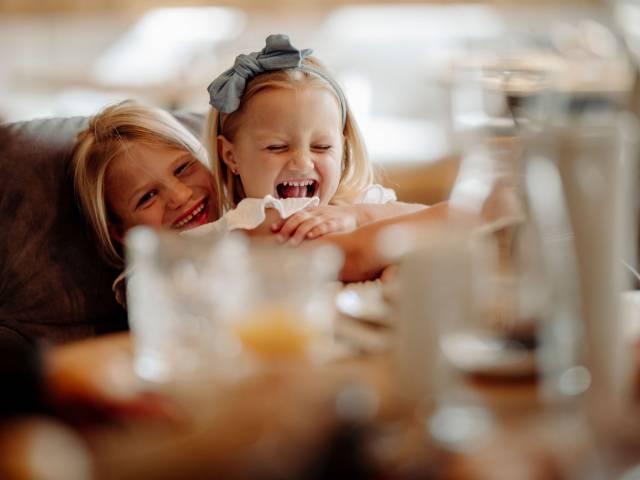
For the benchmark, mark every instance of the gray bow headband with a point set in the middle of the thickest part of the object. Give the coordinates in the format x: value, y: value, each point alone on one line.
x: 225, y: 92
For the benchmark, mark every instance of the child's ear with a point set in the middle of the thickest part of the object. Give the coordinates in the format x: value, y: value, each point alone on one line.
x: 116, y: 233
x: 226, y: 153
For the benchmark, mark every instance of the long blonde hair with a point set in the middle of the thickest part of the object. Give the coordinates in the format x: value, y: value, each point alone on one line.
x: 108, y: 136
x: 356, y: 171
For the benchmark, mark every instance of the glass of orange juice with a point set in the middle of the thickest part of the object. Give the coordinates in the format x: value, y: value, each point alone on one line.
x: 214, y: 306
x: 288, y: 311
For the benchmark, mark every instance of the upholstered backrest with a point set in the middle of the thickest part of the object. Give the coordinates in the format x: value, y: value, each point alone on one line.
x: 53, y: 283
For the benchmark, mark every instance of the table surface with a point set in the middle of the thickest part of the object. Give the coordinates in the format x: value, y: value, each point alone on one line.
x: 292, y: 421
x: 300, y: 420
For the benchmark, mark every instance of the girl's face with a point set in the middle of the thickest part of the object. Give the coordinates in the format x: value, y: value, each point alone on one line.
x: 289, y: 144
x: 158, y: 186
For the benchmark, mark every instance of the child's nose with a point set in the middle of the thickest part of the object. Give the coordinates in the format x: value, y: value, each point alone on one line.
x: 300, y: 161
x: 179, y: 194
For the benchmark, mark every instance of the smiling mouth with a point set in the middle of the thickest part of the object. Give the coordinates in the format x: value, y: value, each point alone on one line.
x: 297, y: 189
x: 194, y: 217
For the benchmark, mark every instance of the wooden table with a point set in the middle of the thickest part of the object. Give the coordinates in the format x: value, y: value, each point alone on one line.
x: 345, y: 419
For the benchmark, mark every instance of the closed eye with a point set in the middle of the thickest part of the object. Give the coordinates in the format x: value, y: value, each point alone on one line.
x: 276, y: 148
x: 145, y: 200
x: 322, y: 148
x: 184, y: 167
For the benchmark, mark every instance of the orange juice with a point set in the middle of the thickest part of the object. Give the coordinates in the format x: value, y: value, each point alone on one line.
x: 275, y: 331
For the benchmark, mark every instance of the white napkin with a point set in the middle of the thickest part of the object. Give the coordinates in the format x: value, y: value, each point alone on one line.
x: 376, y: 194
x: 250, y: 213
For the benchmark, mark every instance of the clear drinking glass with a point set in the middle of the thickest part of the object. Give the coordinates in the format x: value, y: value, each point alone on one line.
x: 534, y: 295
x: 181, y: 292
x: 488, y: 303
x: 289, y: 311
x: 588, y: 149
x: 203, y: 305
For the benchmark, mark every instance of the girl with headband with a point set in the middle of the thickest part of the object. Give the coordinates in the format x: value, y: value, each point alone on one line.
x: 280, y: 134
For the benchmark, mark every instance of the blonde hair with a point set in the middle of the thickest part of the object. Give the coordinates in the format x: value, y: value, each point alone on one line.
x: 108, y: 136
x: 356, y: 171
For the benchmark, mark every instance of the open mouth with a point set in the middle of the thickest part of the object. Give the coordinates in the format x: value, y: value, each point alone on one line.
x: 297, y: 189
x: 194, y: 217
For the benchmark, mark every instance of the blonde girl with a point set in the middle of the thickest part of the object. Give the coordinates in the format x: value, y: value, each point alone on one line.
x: 135, y: 165
x: 280, y: 125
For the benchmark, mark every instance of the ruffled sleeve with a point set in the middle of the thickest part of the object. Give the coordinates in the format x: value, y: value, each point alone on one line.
x: 376, y: 194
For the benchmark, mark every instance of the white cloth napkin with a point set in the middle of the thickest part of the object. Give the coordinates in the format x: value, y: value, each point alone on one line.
x: 250, y: 213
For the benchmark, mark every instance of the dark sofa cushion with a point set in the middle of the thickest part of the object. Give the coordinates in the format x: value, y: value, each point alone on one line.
x: 53, y: 283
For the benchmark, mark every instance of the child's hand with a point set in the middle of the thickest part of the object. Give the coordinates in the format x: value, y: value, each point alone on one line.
x: 264, y: 229
x: 314, y: 222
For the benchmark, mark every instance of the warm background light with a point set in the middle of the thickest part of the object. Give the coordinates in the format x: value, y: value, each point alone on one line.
x: 394, y: 59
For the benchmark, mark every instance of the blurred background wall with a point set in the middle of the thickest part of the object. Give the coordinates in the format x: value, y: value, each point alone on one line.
x: 71, y: 57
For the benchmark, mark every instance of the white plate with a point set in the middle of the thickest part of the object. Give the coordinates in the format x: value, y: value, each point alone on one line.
x: 364, y: 301
x: 362, y: 338
x: 484, y: 355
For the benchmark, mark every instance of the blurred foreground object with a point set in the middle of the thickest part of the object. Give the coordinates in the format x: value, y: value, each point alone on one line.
x: 550, y: 151
x: 43, y: 449
x: 219, y: 306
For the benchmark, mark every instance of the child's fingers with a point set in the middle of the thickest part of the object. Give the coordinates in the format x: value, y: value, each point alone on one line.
x: 276, y: 226
x: 331, y: 225
x: 320, y: 230
x: 303, y: 229
x: 292, y: 223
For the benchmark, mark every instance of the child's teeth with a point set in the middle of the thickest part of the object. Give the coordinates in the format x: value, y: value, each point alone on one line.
x: 193, y: 214
x: 303, y: 183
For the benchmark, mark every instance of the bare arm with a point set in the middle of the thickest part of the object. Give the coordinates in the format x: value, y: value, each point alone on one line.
x: 369, y: 212
x: 363, y: 260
